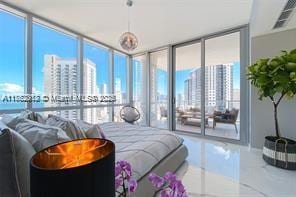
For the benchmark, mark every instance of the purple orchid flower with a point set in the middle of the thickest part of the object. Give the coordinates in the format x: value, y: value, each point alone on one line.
x: 156, y: 180
x: 132, y: 185
x: 165, y: 192
x: 169, y: 176
x: 123, y: 178
x: 168, y: 184
x: 118, y: 182
x: 126, y: 168
x: 177, y: 188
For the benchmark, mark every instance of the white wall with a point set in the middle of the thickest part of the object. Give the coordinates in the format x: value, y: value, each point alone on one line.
x: 261, y: 112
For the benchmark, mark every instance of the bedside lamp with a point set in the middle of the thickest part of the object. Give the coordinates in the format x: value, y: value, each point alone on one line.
x: 77, y: 168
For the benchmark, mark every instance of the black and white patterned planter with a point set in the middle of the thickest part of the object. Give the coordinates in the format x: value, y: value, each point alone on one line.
x: 280, y: 152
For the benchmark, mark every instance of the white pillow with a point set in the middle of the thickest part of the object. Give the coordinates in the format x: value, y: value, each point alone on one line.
x: 40, y: 135
x: 9, y: 120
x: 91, y: 130
x: 32, y: 116
x: 73, y: 131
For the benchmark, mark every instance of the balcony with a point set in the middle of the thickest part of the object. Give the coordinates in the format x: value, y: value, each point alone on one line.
x: 220, y: 119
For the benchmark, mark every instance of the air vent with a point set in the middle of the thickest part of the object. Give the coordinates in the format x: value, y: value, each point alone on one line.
x: 285, y: 14
x: 291, y: 4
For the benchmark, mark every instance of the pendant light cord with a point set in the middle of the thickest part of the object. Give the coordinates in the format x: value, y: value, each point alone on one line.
x: 129, y: 4
x: 128, y: 19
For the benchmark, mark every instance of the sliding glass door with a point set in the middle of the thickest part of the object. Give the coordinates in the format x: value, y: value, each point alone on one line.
x: 188, y: 88
x: 196, y: 86
x: 159, y: 89
x: 222, y: 86
x: 207, y: 85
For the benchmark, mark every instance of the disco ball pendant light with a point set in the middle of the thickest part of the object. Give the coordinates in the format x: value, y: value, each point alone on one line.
x: 128, y: 41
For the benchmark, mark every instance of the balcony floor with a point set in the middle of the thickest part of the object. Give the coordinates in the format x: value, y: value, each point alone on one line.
x: 221, y: 130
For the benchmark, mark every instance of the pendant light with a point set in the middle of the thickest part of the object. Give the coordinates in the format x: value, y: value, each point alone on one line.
x: 128, y: 41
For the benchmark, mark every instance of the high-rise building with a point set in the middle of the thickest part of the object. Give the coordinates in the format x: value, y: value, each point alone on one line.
x: 218, y: 86
x: 61, y: 78
x: 117, y: 90
x: 138, y: 81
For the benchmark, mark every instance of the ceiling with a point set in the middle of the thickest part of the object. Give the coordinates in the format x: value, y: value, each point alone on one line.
x: 157, y: 22
x: 265, y: 14
x: 189, y: 56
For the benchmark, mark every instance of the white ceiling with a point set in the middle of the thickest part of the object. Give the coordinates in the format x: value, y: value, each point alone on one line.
x: 265, y: 14
x: 157, y: 22
x: 219, y: 50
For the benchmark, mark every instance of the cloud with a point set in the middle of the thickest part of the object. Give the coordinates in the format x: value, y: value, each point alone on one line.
x: 14, y: 89
x: 11, y: 88
x: 36, y: 92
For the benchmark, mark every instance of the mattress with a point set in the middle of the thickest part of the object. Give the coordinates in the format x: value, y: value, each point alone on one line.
x: 143, y: 147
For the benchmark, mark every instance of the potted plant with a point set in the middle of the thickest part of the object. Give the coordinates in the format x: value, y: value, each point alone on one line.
x: 275, y: 79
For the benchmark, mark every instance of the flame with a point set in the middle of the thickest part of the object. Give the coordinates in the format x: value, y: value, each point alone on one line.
x: 72, y: 154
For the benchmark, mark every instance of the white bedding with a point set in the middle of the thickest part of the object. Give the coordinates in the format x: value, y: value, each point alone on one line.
x: 143, y: 147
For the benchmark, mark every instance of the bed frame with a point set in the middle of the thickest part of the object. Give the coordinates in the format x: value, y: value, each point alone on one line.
x: 172, y: 163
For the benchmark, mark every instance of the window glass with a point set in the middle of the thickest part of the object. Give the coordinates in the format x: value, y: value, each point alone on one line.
x: 55, y: 69
x: 96, y: 72
x: 97, y: 115
x: 139, y: 86
x: 120, y: 78
x: 12, y: 60
x: 222, y: 86
x: 159, y: 89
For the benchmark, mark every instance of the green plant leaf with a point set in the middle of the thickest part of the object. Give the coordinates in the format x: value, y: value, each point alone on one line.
x: 274, y: 75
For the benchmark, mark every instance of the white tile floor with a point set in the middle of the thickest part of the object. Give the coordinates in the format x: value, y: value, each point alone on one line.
x: 224, y: 170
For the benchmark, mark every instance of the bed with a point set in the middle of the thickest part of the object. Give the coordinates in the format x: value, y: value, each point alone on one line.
x: 147, y: 149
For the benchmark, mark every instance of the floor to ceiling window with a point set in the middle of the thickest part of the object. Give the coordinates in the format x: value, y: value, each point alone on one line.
x: 50, y: 68
x: 140, y: 86
x: 159, y: 89
x: 55, y: 69
x: 12, y: 60
x: 96, y: 81
x: 188, y: 88
x: 120, y: 81
x: 222, y: 85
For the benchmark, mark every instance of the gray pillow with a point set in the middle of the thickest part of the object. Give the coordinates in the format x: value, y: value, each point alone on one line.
x: 73, y: 131
x: 40, y: 135
x: 15, y: 155
x: 9, y: 120
x: 91, y: 130
x: 32, y: 116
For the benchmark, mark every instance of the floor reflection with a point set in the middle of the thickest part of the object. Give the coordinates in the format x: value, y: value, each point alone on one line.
x: 214, y: 158
x: 219, y: 169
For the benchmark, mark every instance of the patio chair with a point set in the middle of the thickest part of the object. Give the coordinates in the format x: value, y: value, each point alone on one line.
x: 229, y: 117
x: 129, y: 114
